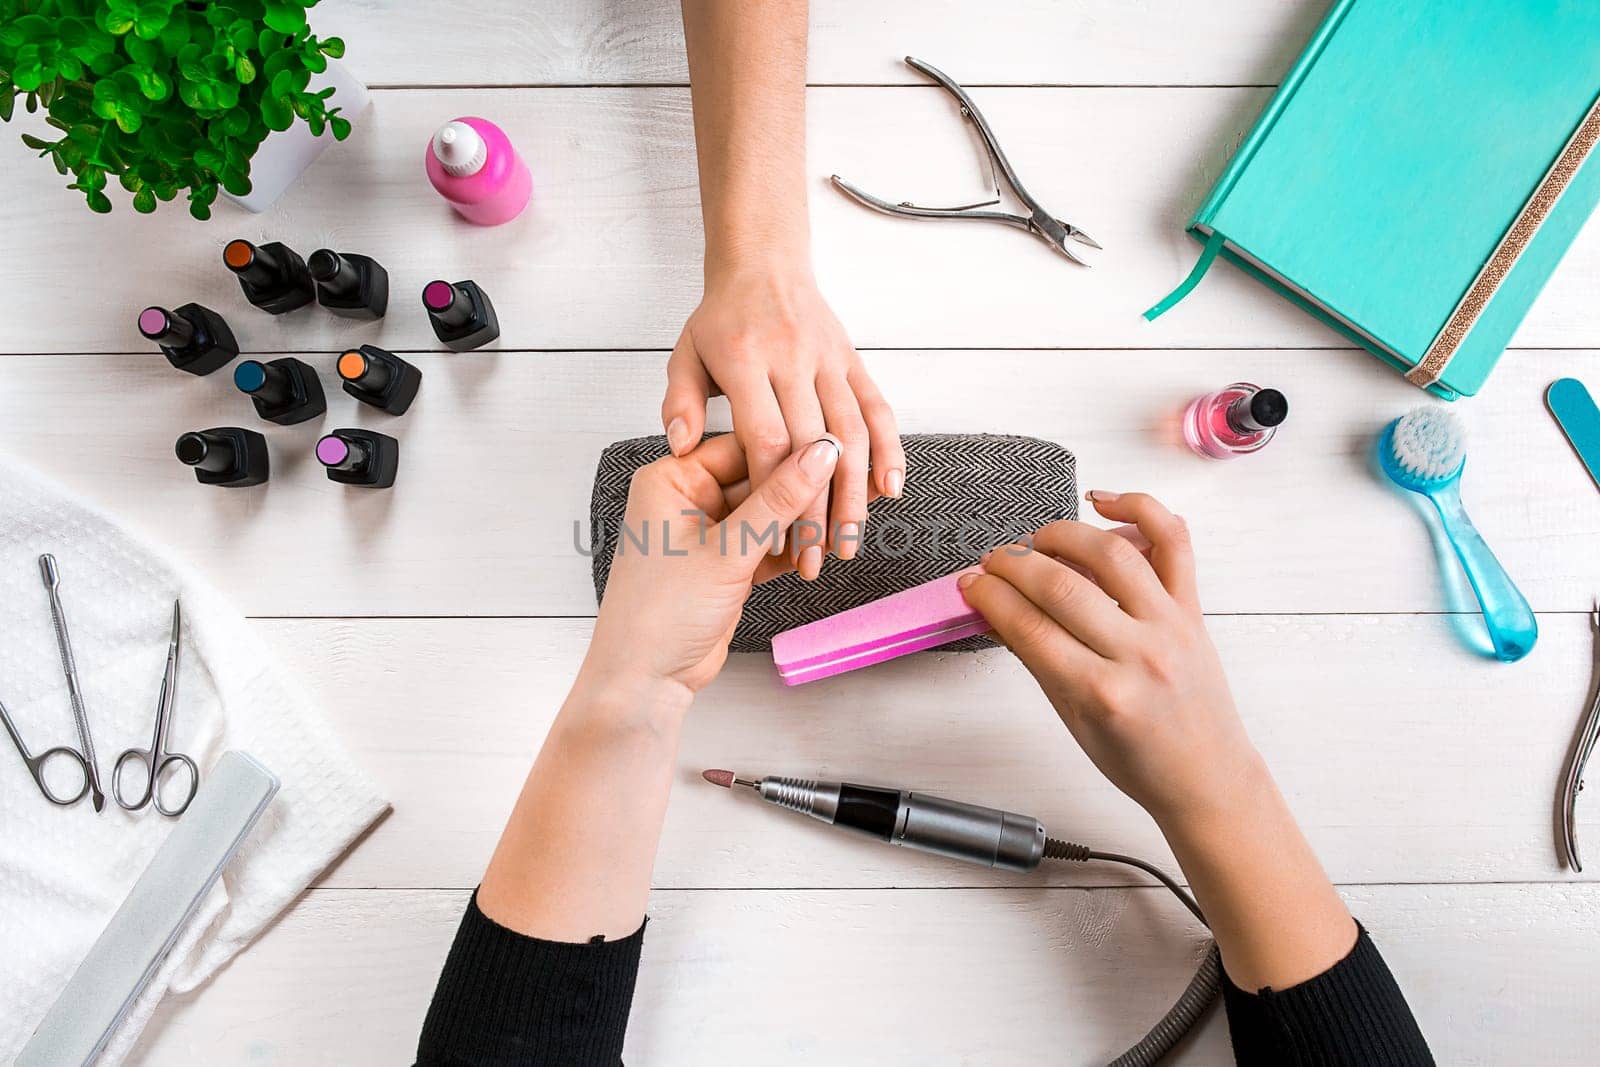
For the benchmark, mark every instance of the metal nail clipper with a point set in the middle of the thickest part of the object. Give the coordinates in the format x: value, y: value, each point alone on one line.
x: 1580, y: 757
x: 1039, y: 222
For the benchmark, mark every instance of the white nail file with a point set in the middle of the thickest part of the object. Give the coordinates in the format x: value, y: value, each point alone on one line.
x: 142, y: 932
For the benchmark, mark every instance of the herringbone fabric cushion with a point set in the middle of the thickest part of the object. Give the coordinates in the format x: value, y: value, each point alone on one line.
x: 965, y: 493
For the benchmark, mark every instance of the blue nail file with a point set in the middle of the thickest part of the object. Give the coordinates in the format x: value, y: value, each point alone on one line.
x: 1574, y: 409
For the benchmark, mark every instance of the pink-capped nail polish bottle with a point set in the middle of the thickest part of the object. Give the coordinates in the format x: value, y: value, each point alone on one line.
x: 1233, y: 421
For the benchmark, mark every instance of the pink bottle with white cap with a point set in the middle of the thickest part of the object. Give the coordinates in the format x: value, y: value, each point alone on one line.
x: 473, y: 165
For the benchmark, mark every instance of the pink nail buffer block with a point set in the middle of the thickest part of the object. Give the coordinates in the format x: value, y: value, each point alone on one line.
x: 925, y: 616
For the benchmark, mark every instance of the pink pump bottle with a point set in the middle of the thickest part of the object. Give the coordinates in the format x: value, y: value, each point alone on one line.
x: 472, y: 164
x: 1233, y: 421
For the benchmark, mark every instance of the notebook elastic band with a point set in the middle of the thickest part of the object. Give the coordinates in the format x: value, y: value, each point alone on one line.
x: 1515, y: 241
x: 1208, y: 255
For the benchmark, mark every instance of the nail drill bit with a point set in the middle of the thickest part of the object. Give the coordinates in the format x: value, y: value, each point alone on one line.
x: 69, y: 667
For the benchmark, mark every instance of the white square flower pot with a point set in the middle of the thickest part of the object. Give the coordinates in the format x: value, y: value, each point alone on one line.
x: 286, y: 153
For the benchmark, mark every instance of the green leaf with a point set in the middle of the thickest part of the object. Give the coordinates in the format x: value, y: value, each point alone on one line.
x: 175, y: 36
x: 99, y: 203
x: 199, y: 210
x: 28, y: 78
x: 315, y: 61
x: 143, y: 52
x: 285, y: 17
x: 235, y: 123
x: 11, y: 35
x: 236, y: 182
x: 209, y: 158
x: 8, y: 102
x: 245, y: 70
x: 150, y: 25
x: 332, y: 47
x: 60, y: 161
x: 317, y: 123
x: 128, y: 120
x: 69, y: 67
x: 113, y: 22
x: 339, y: 126
x: 38, y: 143
x: 276, y: 113
x: 152, y: 84
x: 144, y: 201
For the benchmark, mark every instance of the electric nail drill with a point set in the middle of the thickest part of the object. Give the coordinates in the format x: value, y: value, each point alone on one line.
x: 356, y: 287
x: 285, y: 391
x: 988, y: 837
x: 192, y: 337
x: 273, y: 276
x: 461, y: 314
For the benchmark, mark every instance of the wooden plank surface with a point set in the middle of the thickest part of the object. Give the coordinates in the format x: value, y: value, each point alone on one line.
x: 608, y: 256
x: 1031, y: 42
x: 1405, y: 759
x: 1497, y: 975
x: 499, y: 451
x: 1408, y: 759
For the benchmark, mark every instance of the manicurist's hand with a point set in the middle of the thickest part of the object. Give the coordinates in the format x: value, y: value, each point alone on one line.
x: 575, y: 858
x: 1109, y: 623
x: 695, y: 541
x: 769, y: 341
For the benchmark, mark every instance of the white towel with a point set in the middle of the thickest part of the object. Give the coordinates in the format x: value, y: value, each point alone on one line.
x: 64, y: 871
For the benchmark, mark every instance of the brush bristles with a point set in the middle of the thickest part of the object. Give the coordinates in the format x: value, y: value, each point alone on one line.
x: 1429, y: 443
x: 722, y: 778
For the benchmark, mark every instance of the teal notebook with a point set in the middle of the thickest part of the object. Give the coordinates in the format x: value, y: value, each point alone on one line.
x: 1418, y: 176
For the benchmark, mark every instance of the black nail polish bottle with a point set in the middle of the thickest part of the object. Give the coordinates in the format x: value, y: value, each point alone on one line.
x: 284, y: 391
x: 192, y: 337
x: 461, y: 314
x: 360, y: 457
x: 382, y: 379
x: 356, y: 287
x: 273, y: 276
x: 228, y: 456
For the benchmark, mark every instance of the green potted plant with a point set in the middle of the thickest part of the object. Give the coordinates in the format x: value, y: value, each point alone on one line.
x: 174, y: 96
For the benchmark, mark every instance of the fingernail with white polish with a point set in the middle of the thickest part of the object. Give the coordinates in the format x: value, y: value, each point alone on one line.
x: 678, y: 436
x: 820, y: 457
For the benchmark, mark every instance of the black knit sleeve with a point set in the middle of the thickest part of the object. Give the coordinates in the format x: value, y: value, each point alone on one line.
x: 1353, y: 1013
x: 504, y: 998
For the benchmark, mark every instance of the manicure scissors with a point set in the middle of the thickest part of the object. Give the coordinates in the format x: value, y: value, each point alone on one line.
x: 156, y: 761
x: 1580, y: 757
x: 1039, y: 222
x: 36, y: 764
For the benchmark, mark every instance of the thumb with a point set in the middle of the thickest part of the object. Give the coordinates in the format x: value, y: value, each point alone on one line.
x: 683, y: 412
x: 776, y: 503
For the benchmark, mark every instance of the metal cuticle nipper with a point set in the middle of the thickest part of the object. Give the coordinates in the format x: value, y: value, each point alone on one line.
x: 1039, y: 222
x: 1580, y: 757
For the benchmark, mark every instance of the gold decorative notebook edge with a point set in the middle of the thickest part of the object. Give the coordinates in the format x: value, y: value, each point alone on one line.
x: 1512, y: 244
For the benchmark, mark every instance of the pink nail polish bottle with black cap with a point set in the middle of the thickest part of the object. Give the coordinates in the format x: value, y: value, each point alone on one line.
x: 1233, y: 421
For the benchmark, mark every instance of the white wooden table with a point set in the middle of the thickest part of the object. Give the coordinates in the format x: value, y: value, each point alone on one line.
x: 440, y: 623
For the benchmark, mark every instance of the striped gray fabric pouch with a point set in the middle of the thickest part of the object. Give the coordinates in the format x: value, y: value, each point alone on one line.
x: 965, y: 493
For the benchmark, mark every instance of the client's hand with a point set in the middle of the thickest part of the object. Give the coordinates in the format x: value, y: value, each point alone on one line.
x: 1115, y: 637
x: 695, y: 539
x: 770, y: 342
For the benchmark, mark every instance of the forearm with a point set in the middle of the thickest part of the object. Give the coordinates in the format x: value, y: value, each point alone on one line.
x: 747, y: 72
x: 1275, y: 915
x: 576, y: 855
